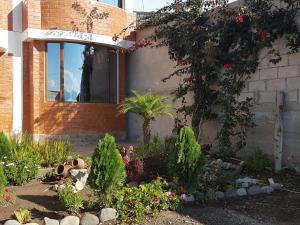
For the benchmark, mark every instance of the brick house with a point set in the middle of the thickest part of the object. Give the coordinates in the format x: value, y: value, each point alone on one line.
x: 61, y: 73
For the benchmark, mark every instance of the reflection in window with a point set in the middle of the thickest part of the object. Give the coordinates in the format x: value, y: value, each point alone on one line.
x: 90, y: 73
x: 112, y: 2
x: 53, y: 71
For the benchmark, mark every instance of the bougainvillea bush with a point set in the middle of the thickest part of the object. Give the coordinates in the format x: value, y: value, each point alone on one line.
x: 216, y: 47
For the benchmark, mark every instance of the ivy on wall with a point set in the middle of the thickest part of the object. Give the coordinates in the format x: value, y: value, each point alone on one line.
x: 216, y: 47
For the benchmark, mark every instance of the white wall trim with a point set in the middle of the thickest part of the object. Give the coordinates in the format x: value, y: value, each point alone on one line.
x: 15, y: 47
x: 76, y: 36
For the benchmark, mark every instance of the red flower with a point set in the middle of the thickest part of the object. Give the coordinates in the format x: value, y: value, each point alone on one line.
x: 7, y: 198
x: 227, y: 66
x: 263, y: 35
x: 173, y: 194
x: 131, y: 202
x: 239, y: 19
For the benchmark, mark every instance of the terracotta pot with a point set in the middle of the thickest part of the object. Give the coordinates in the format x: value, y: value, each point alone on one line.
x: 78, y: 163
x: 63, y: 170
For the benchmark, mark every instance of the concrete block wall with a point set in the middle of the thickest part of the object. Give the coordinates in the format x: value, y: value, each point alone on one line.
x: 148, y: 66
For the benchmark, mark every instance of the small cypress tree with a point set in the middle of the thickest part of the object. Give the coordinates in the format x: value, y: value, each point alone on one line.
x: 5, y: 146
x: 108, y: 171
x: 185, y: 160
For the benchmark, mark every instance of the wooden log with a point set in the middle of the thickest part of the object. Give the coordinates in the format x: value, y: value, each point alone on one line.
x: 278, y: 132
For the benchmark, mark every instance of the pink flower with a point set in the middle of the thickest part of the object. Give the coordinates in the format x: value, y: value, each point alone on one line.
x: 183, y: 197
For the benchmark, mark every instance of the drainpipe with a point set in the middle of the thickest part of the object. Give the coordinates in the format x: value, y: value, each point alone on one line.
x: 16, y: 48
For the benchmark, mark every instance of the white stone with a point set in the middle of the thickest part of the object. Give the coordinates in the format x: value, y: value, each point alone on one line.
x: 293, y: 83
x: 267, y: 189
x: 89, y: 219
x: 70, y: 220
x: 241, y: 192
x: 269, y: 73
x: 12, y: 222
x: 257, y: 86
x: 79, y: 186
x: 288, y: 71
x: 108, y: 214
x: 48, y: 221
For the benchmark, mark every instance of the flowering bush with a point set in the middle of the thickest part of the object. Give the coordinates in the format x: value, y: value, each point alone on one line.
x: 20, y: 172
x: 147, y: 199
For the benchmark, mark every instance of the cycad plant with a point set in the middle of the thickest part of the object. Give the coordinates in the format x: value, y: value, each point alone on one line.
x: 148, y: 106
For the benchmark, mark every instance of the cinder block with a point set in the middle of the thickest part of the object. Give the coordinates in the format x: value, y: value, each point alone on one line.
x: 268, y: 73
x: 254, y: 76
x: 267, y: 96
x: 243, y: 96
x: 291, y: 96
x: 288, y: 71
x: 257, y: 86
x: 277, y: 84
x: 293, y: 83
x: 294, y: 59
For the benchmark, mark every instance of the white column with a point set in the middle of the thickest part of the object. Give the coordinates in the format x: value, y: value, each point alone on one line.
x: 128, y: 5
x: 15, y: 44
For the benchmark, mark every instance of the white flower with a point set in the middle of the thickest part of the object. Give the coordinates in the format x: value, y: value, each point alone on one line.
x: 25, y: 167
x: 2, y: 163
x: 10, y: 164
x: 4, y: 157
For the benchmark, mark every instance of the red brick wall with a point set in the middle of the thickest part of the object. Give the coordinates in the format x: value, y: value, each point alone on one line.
x: 5, y: 93
x: 6, y: 14
x: 58, y: 14
x: 42, y: 117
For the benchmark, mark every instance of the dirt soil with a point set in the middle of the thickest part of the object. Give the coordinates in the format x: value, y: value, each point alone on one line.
x: 280, y: 208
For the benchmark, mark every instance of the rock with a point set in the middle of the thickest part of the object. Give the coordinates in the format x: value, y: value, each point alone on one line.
x: 245, y: 185
x: 79, y: 175
x: 255, y: 190
x: 89, y: 219
x: 12, y: 222
x: 267, y: 189
x: 276, y: 186
x: 79, y: 186
x: 132, y: 184
x: 230, y: 193
x: 246, y: 180
x: 219, y: 194
x: 70, y: 220
x: 241, y: 192
x: 31, y: 224
x: 226, y: 165
x: 48, y: 221
x: 108, y: 214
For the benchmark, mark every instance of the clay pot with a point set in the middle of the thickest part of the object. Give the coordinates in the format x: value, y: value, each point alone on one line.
x: 78, y: 163
x: 63, y: 170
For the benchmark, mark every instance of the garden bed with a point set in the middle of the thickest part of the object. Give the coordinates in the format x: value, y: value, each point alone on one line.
x: 280, y: 208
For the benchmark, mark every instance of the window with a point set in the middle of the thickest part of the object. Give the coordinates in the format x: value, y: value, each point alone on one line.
x: 88, y: 73
x: 117, y: 3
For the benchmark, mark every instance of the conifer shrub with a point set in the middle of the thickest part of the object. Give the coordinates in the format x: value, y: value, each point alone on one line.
x: 108, y: 171
x: 5, y: 147
x: 185, y: 159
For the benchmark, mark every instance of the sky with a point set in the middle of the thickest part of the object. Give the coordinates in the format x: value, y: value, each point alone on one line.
x: 151, y: 5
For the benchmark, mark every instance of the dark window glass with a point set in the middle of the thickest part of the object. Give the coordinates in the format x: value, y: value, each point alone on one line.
x: 53, y: 71
x: 90, y: 73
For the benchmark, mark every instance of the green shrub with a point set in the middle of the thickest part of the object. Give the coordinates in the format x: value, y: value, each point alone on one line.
x: 257, y: 160
x: 3, y: 182
x: 108, y: 171
x: 70, y: 200
x: 54, y: 152
x: 133, y: 204
x: 185, y: 159
x: 23, y: 215
x: 24, y: 162
x: 5, y: 147
x: 156, y: 147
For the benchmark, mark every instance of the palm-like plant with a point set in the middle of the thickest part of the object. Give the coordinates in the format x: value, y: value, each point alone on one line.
x: 148, y: 106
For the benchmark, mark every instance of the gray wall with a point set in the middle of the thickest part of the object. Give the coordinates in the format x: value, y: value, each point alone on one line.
x: 146, y: 68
